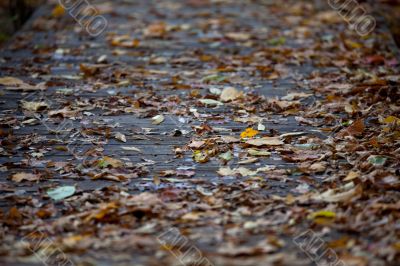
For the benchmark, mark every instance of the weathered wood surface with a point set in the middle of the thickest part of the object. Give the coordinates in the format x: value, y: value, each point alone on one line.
x: 163, y: 72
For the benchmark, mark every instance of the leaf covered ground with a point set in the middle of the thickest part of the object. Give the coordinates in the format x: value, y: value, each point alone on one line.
x: 242, y: 124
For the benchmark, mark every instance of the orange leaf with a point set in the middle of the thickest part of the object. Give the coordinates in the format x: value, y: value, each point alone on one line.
x: 58, y: 11
x: 248, y: 133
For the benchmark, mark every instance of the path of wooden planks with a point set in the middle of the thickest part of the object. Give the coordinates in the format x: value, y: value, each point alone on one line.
x: 165, y: 74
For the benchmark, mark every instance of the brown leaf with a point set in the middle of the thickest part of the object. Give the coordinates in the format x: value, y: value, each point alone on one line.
x: 19, y: 177
x: 197, y: 144
x: 156, y: 30
x: 355, y: 129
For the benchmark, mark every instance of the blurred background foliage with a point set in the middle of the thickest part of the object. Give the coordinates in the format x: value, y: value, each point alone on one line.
x: 390, y: 9
x: 14, y: 13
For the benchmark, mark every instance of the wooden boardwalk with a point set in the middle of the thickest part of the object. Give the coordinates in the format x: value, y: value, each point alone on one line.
x: 84, y: 117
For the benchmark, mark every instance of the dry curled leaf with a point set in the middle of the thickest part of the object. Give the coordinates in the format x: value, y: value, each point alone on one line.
x: 158, y: 119
x: 265, y: 141
x: 121, y: 137
x: 19, y: 177
x: 230, y: 94
x: 34, y: 106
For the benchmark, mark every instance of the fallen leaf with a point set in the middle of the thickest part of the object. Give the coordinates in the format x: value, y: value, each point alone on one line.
x: 215, y: 91
x: 203, y: 191
x: 377, y: 160
x: 256, y: 152
x: 158, y: 29
x: 61, y: 192
x: 121, y: 137
x: 351, y: 176
x: 125, y: 41
x: 226, y: 171
x: 19, y: 177
x: 262, y: 247
x: 185, y: 173
x: 158, y: 119
x: 108, y: 161
x: 391, y: 119
x: 227, y: 156
x: 229, y: 139
x: 65, y: 113
x: 318, y: 167
x: 230, y: 94
x: 246, y: 172
x: 292, y: 134
x: 265, y: 141
x: 322, y: 214
x: 58, y: 11
x: 131, y: 148
x: 34, y: 106
x: 197, y: 144
x: 248, y: 161
x: 296, y: 95
x: 238, y: 36
x: 167, y: 173
x: 10, y: 81
x: 355, y: 129
x: 201, y: 156
x: 260, y: 127
x: 156, y: 180
x: 301, y: 156
x: 339, y: 196
x: 248, y: 133
x: 277, y: 41
x: 210, y: 102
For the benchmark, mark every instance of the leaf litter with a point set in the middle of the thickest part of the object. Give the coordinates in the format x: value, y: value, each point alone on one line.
x: 235, y: 141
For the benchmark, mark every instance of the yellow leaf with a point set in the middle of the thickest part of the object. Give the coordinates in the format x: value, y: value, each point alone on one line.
x: 58, y: 11
x: 200, y: 156
x: 391, y: 119
x: 322, y: 214
x: 351, y: 44
x: 248, y: 133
